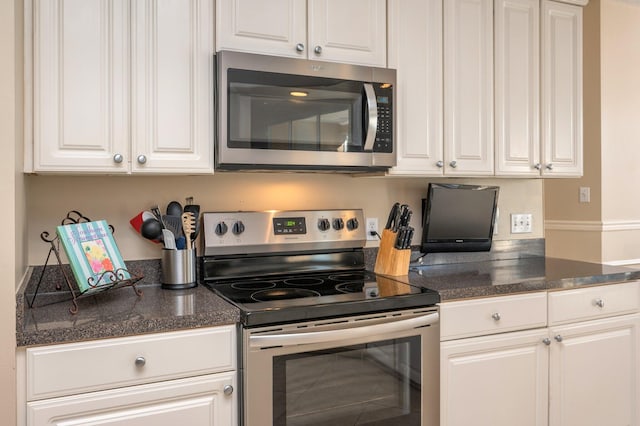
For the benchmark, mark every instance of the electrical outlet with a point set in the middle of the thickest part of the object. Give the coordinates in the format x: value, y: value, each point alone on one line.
x: 372, y: 226
x: 521, y: 223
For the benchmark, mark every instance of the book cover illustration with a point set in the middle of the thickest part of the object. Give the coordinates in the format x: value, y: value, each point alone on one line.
x: 91, y: 251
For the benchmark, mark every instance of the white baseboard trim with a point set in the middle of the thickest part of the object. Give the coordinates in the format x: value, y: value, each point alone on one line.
x: 592, y: 225
x: 623, y: 262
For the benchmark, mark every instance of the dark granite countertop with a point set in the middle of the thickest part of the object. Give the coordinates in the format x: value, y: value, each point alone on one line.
x: 511, y: 276
x: 116, y: 313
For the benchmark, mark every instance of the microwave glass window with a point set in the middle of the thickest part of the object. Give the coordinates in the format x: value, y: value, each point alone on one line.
x: 376, y: 383
x: 275, y: 112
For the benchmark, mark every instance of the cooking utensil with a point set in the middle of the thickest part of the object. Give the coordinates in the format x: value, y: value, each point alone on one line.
x: 195, y: 209
x: 188, y: 226
x: 173, y: 224
x: 169, y: 239
x: 174, y: 208
x: 151, y: 229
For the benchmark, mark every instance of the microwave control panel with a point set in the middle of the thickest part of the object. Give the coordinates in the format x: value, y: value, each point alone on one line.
x: 384, y: 131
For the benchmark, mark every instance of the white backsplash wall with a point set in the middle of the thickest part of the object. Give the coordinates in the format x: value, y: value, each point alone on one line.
x: 118, y: 198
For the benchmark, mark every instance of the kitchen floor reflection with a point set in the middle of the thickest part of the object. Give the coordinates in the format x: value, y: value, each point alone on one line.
x: 374, y: 384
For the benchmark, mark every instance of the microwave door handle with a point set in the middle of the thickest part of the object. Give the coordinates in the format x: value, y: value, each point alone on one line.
x: 346, y: 334
x: 372, y: 118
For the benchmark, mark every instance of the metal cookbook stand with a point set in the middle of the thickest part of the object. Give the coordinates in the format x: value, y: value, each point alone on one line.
x: 115, y: 279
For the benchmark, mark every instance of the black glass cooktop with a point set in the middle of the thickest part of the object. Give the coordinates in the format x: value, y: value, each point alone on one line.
x: 295, y: 298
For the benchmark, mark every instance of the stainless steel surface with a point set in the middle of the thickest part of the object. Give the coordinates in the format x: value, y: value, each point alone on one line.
x: 142, y: 159
x: 372, y: 105
x: 599, y: 303
x: 317, y: 50
x: 300, y: 47
x: 118, y: 158
x: 453, y: 164
x: 546, y: 341
x: 496, y: 316
x: 259, y: 362
x: 258, y: 234
x: 140, y: 361
x: 296, y: 159
x: 227, y: 389
x: 558, y: 338
x: 178, y: 267
x: 439, y: 164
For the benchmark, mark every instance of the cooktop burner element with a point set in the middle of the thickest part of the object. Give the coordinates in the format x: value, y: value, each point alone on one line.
x: 280, y: 267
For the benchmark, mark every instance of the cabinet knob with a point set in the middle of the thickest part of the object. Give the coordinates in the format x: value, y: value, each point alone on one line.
x: 300, y: 47
x: 227, y: 389
x: 496, y: 316
x: 558, y: 338
x: 549, y: 166
x: 439, y: 164
x: 546, y: 341
x: 118, y: 158
x: 142, y: 159
x: 537, y: 166
x: 140, y: 361
x: 599, y: 303
x: 318, y: 50
x: 453, y: 164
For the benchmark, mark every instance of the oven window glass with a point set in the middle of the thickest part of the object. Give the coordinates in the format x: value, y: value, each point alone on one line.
x: 288, y: 112
x: 372, y: 384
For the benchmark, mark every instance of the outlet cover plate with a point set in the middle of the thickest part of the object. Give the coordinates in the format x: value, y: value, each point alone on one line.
x: 521, y: 223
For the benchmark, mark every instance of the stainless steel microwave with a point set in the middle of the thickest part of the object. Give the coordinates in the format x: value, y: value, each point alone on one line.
x: 277, y: 113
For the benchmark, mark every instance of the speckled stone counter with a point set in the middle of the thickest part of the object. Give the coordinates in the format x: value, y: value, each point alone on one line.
x: 511, y: 276
x: 115, y: 313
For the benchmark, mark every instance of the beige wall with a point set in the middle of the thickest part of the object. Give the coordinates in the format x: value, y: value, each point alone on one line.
x: 11, y: 252
x: 119, y: 198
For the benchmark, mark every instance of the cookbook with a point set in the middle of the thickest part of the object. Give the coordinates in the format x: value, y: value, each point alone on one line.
x: 92, y: 251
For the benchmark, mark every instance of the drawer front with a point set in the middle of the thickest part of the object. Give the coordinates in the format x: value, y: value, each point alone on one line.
x: 104, y: 364
x: 492, y: 315
x: 593, y: 302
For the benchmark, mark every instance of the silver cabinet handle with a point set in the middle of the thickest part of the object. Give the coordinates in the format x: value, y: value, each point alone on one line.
x: 546, y: 341
x: 439, y: 164
x: 118, y: 158
x: 142, y: 159
x: 558, y: 338
x: 372, y: 106
x: 537, y: 166
x: 453, y: 164
x: 496, y: 316
x: 599, y: 303
x: 300, y: 47
x: 317, y: 50
x: 346, y: 334
x: 549, y: 166
x: 140, y: 361
x: 227, y: 389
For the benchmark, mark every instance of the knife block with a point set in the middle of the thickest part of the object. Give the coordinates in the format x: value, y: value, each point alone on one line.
x: 390, y: 260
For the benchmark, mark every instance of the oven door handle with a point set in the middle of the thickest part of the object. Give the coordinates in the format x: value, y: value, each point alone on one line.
x: 347, y: 334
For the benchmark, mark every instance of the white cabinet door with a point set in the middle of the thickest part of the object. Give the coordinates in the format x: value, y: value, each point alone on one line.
x: 172, y: 86
x: 498, y: 380
x: 594, y: 373
x: 274, y: 27
x: 415, y: 51
x: 80, y: 86
x: 199, y: 401
x: 351, y: 31
x: 468, y: 87
x: 517, y: 86
x: 561, y: 89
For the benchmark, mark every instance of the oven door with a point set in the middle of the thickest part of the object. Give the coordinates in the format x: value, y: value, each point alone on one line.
x: 279, y: 113
x: 380, y: 369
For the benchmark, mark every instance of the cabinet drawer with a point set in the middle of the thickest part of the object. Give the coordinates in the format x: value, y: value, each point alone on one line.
x: 492, y: 315
x: 103, y: 364
x: 593, y: 302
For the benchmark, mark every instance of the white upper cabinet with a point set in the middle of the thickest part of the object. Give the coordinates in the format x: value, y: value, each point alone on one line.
x: 468, y: 87
x: 351, y: 31
x: 121, y: 86
x: 517, y: 87
x: 415, y: 51
x: 561, y: 89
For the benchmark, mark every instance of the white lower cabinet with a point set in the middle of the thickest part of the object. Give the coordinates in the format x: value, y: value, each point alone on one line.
x: 184, y: 377
x: 581, y: 368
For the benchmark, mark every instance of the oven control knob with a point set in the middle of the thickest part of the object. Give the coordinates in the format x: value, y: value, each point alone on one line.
x: 324, y: 224
x: 237, y: 228
x: 221, y: 228
x: 338, y: 223
x: 352, y: 224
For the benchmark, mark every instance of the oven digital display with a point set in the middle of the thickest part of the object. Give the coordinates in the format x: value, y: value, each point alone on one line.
x: 289, y: 225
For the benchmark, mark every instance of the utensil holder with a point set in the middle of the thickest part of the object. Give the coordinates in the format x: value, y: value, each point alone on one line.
x: 178, y: 269
x: 390, y: 260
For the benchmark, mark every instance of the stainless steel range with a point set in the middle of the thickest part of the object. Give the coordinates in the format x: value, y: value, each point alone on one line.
x: 324, y: 341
